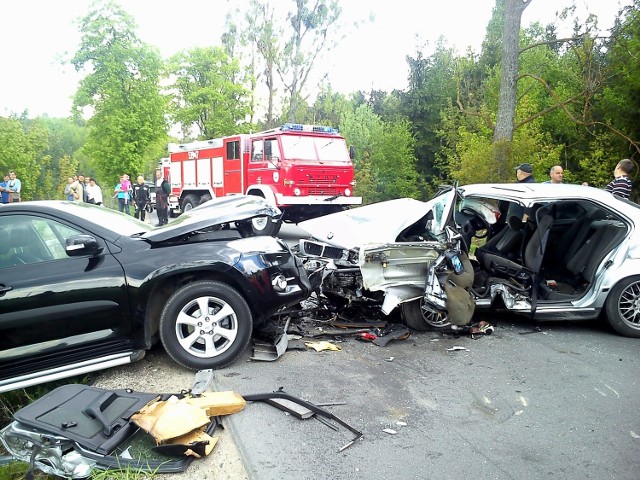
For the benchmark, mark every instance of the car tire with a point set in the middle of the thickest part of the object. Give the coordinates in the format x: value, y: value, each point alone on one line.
x: 229, y: 325
x: 415, y: 317
x: 189, y: 202
x: 623, y: 307
x: 264, y: 226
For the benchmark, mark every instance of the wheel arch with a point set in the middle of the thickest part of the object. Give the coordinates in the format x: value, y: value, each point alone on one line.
x: 155, y: 295
x: 264, y: 191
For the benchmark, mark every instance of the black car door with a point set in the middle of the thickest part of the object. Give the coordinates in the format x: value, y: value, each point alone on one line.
x: 52, y: 304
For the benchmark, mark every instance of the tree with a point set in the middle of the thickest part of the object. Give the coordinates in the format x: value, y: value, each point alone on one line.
x: 121, y: 92
x: 503, y: 133
x: 432, y: 89
x: 23, y: 145
x: 209, y: 92
x: 285, y: 53
x: 313, y: 23
x: 385, y: 163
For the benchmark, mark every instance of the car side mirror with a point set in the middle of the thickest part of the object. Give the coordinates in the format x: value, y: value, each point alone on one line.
x: 81, y: 245
x: 352, y: 152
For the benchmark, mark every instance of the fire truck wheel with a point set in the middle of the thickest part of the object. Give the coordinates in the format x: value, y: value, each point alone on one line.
x: 265, y: 226
x: 205, y: 324
x: 189, y: 202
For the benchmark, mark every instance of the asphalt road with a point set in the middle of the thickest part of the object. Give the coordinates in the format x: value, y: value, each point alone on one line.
x: 561, y: 403
x: 527, y: 404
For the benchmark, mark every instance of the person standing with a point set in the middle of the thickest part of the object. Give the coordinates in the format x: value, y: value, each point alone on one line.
x: 621, y: 183
x: 141, y: 197
x: 14, y: 186
x: 68, y: 192
x: 122, y: 196
x: 162, y: 199
x: 125, y: 186
x: 94, y: 192
x: 82, y: 181
x: 4, y: 195
x: 524, y: 173
x: 556, y: 174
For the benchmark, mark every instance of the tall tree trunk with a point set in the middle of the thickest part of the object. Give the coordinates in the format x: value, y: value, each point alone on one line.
x: 503, y: 133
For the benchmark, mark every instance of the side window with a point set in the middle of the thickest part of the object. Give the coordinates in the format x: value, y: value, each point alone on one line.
x: 271, y: 150
x: 569, y: 211
x: 233, y: 150
x: 29, y: 240
x: 256, y: 151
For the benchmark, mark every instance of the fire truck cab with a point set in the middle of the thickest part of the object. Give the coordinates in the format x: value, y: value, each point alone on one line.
x: 304, y: 170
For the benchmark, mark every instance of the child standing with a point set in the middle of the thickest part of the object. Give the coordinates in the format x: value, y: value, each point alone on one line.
x: 126, y: 187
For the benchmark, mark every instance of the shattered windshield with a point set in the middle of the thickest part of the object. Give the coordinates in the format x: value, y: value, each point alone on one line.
x: 441, y: 209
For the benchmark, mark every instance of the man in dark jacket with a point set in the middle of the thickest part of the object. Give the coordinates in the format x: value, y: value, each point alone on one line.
x: 140, y: 197
x: 524, y: 173
x: 162, y: 199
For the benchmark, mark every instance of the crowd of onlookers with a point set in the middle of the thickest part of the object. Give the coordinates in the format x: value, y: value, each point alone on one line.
x: 620, y: 185
x: 83, y: 189
x: 80, y: 188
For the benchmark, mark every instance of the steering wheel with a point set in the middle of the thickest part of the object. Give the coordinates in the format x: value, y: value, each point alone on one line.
x: 478, y: 222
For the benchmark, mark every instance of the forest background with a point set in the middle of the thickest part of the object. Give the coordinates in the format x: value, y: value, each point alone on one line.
x: 575, y: 101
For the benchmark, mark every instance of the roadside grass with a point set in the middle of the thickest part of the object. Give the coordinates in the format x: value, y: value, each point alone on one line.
x: 11, y: 402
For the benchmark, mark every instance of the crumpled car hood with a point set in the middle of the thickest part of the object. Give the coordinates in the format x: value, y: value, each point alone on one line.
x: 213, y: 213
x: 377, y: 223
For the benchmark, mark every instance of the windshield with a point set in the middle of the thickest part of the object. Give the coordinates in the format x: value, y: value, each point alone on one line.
x: 442, y: 209
x: 301, y: 147
x: 120, y: 223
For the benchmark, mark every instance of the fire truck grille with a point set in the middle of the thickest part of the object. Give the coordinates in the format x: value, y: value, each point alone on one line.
x: 323, y: 178
x: 323, y: 191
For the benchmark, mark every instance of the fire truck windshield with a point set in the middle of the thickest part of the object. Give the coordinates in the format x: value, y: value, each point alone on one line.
x: 314, y: 148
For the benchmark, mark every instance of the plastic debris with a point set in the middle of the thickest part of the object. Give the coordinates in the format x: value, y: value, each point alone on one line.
x: 323, y: 345
x: 456, y: 348
x: 390, y: 431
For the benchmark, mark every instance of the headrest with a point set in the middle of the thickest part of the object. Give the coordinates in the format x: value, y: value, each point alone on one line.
x: 514, y: 222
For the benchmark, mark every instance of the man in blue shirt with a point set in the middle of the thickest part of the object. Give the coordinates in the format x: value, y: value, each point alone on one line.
x: 14, y: 185
x: 3, y: 189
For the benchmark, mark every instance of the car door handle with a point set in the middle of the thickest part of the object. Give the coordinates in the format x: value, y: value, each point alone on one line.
x: 4, y: 289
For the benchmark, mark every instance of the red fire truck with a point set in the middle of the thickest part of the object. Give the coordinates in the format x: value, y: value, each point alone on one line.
x: 304, y: 170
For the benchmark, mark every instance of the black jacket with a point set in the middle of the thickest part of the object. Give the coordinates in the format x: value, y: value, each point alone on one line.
x: 141, y: 193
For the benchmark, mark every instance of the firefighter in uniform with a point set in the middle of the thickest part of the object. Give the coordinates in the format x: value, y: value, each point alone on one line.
x: 140, y: 197
x: 162, y: 199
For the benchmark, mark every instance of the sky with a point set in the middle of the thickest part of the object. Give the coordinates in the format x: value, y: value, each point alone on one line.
x: 37, y: 35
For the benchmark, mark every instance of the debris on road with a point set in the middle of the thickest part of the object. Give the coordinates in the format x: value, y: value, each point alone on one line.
x: 284, y: 401
x: 457, y: 348
x: 323, y: 345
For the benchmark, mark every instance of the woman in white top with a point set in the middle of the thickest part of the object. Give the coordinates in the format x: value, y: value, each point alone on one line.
x: 94, y: 192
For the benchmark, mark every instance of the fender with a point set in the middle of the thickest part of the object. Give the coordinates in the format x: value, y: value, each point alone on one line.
x: 264, y: 191
x: 607, y: 279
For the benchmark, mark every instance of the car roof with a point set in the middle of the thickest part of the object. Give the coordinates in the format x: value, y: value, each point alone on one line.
x: 92, y: 216
x: 548, y: 192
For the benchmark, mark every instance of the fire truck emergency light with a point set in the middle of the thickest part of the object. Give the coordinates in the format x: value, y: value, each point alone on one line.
x: 298, y: 127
